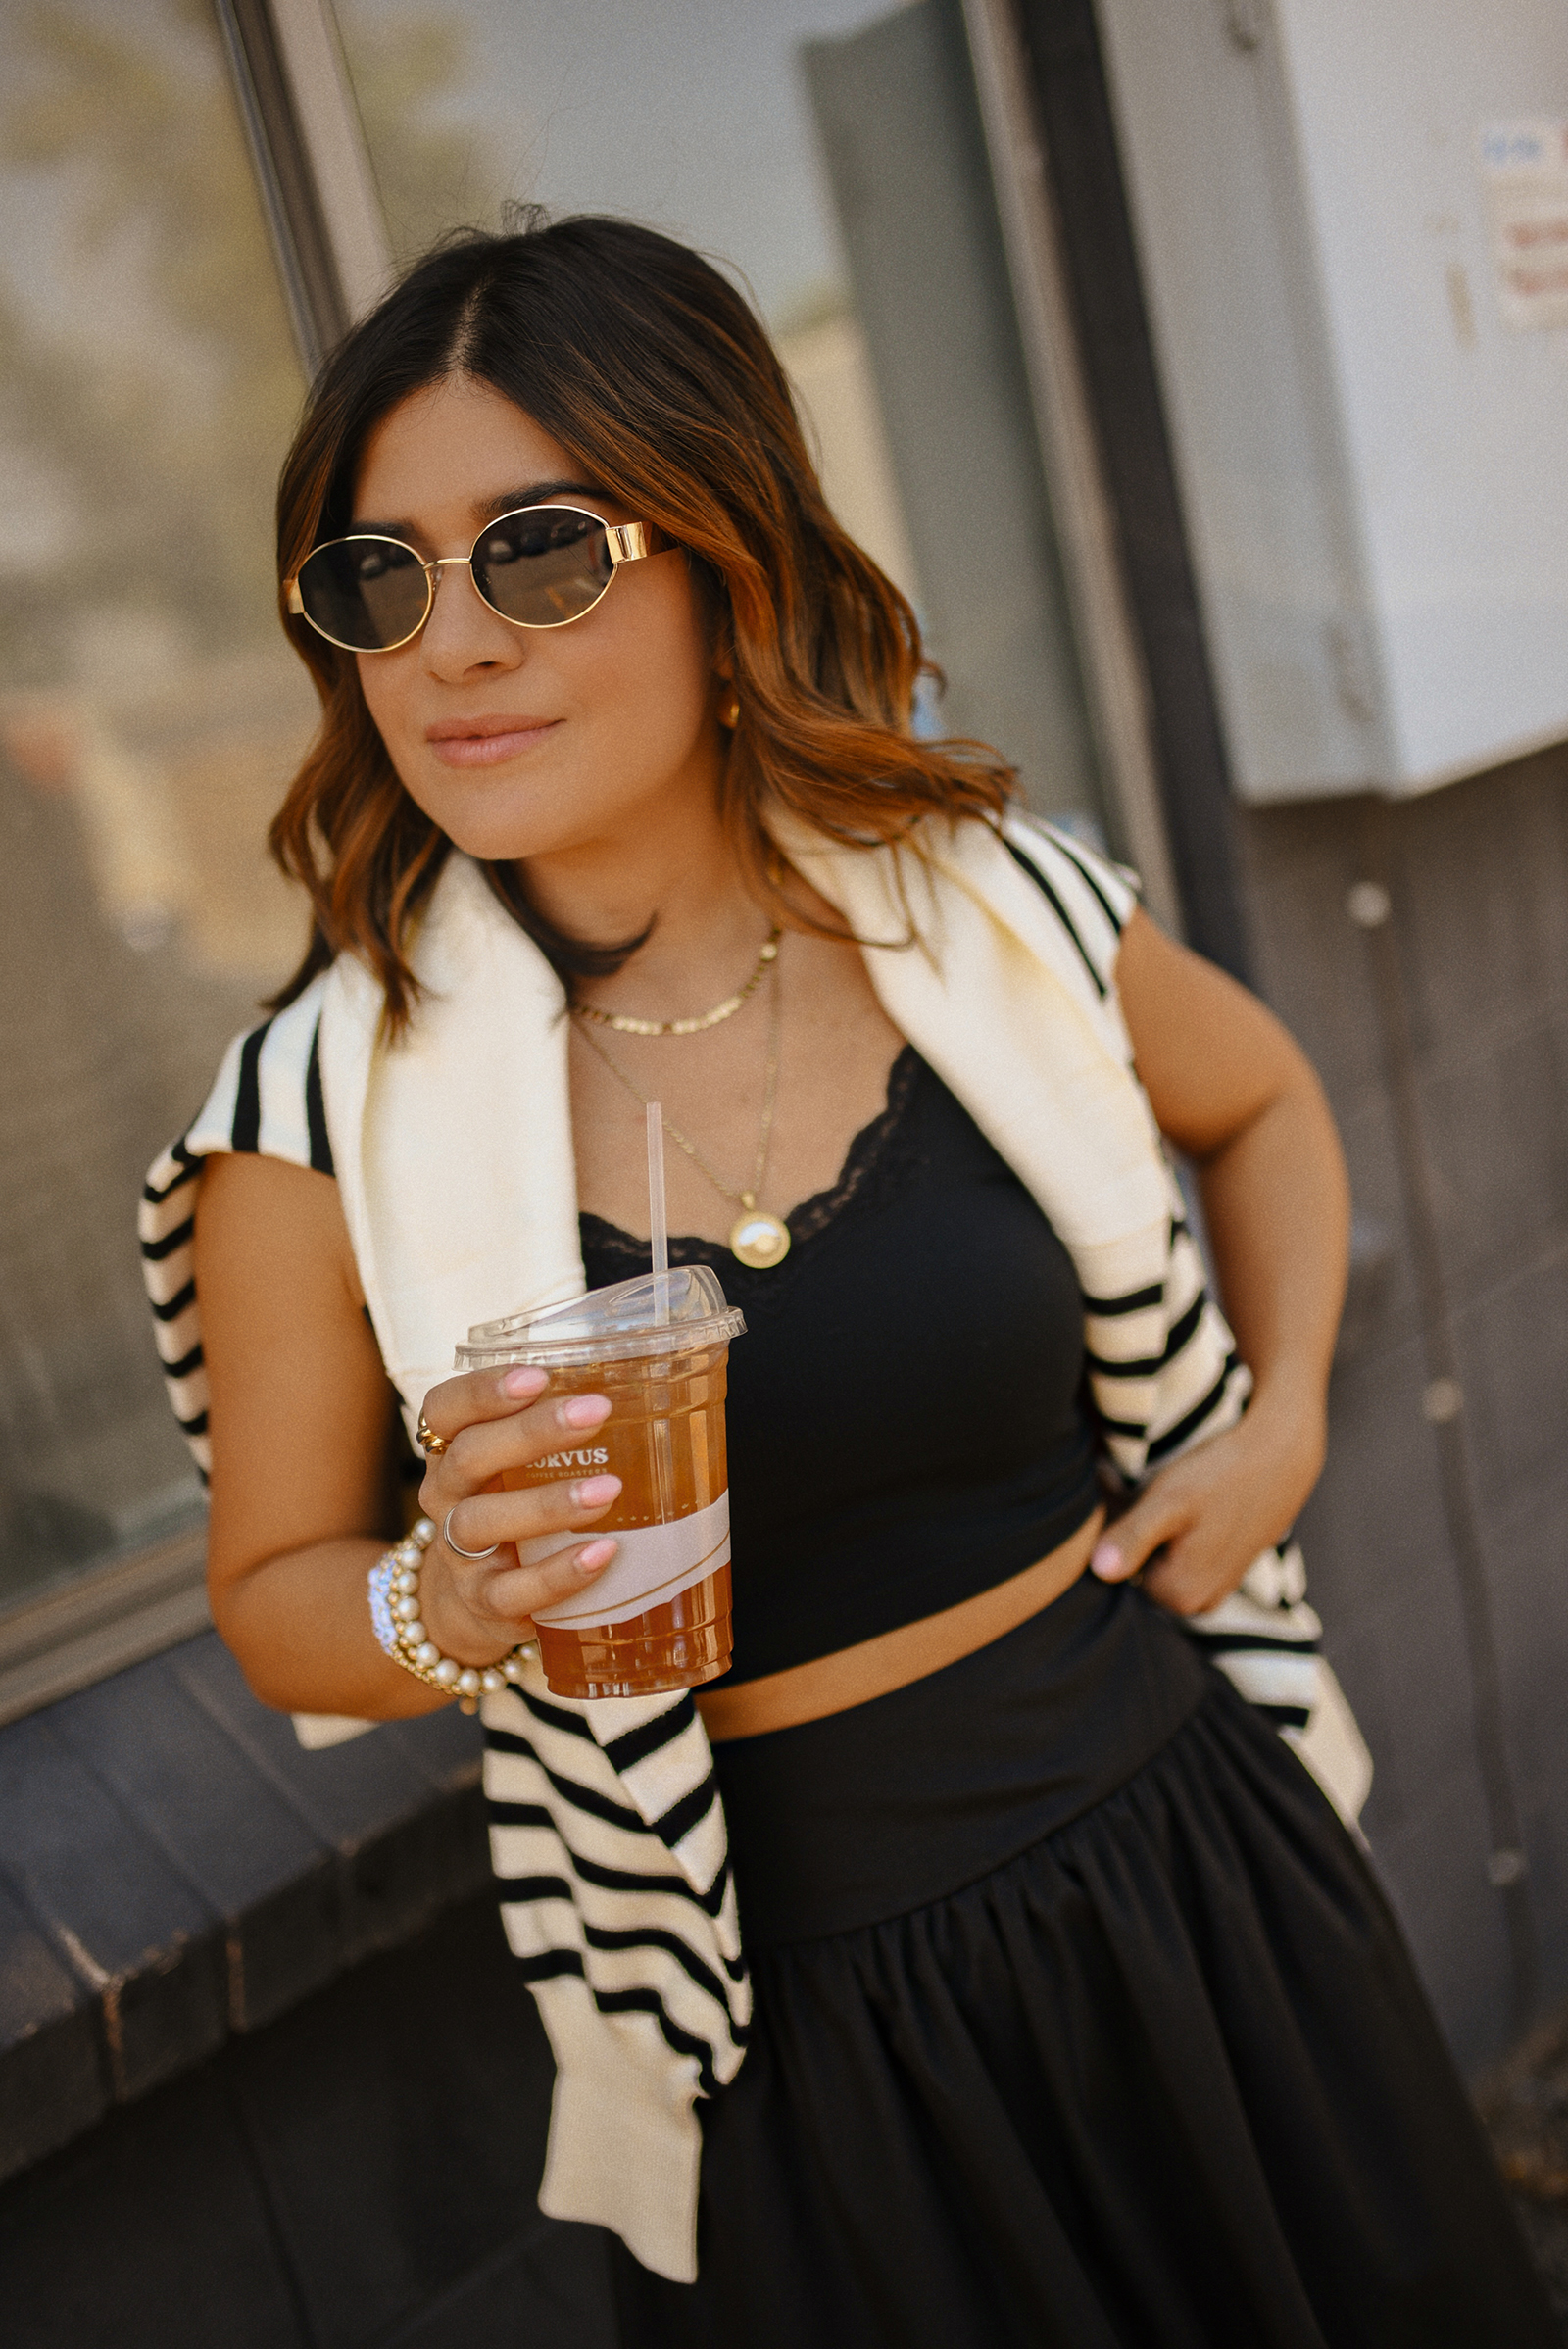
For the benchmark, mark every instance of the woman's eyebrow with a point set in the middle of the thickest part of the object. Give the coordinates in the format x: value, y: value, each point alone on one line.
x: 484, y: 509
x: 534, y: 494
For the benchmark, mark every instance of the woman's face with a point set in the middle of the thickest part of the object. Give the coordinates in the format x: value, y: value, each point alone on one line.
x: 523, y: 742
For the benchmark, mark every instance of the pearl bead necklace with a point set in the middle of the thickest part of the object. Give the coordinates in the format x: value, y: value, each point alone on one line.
x: 395, y: 1614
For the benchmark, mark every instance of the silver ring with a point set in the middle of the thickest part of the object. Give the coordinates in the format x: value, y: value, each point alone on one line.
x: 473, y: 1556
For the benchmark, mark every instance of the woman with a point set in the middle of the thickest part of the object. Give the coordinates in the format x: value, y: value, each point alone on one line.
x: 1077, y: 2017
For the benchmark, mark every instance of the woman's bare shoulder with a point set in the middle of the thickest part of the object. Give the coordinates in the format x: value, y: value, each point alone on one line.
x: 1210, y: 1056
x: 258, y: 1216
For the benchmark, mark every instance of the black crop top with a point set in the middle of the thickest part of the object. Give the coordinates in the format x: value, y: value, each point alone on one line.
x: 908, y: 1418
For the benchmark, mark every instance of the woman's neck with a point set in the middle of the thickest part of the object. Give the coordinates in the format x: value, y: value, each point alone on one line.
x: 684, y: 879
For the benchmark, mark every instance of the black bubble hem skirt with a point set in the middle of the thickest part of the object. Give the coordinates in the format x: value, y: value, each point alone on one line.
x: 1080, y: 2021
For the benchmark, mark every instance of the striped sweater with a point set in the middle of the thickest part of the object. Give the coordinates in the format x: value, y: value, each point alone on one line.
x: 607, y: 1834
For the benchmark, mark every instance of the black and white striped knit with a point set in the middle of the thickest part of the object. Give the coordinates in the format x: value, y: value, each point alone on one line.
x: 452, y: 1155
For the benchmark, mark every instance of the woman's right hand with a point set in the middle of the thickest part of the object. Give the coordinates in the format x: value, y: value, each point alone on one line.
x: 477, y: 1610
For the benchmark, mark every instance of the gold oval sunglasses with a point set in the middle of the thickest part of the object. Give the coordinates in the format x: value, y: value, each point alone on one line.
x: 542, y: 566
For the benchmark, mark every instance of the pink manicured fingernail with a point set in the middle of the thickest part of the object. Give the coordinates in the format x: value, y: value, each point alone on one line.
x: 523, y: 1385
x: 597, y: 1554
x: 1106, y: 1561
x: 584, y: 1412
x: 593, y: 1492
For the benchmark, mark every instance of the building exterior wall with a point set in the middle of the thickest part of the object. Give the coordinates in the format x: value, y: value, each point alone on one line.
x: 1437, y: 1541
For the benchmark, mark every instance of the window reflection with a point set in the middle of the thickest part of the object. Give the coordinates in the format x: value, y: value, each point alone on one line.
x: 150, y: 715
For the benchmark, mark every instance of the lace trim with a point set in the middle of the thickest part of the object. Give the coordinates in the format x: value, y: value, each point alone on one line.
x: 870, y: 1163
x: 867, y: 1154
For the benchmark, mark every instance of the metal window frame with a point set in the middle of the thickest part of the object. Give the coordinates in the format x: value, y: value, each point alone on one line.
x: 1115, y: 682
x: 313, y: 168
x: 317, y: 192
x: 112, y: 1615
x: 1076, y: 281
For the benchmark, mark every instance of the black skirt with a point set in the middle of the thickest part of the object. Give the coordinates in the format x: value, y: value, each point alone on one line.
x: 1079, y: 2020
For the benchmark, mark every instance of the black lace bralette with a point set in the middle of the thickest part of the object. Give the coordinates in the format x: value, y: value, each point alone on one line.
x: 907, y: 1420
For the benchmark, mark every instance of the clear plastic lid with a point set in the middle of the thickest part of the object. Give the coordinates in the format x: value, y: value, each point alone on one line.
x: 618, y: 1324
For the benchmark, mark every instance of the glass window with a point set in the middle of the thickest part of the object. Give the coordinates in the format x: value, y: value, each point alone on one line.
x: 830, y: 151
x: 150, y: 710
x: 150, y: 715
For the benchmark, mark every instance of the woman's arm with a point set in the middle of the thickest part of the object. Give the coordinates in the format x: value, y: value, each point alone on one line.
x: 301, y: 1417
x: 1240, y: 1100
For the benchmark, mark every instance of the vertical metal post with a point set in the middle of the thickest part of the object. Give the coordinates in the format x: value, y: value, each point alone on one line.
x: 311, y: 167
x: 1107, y: 646
x: 1066, y: 104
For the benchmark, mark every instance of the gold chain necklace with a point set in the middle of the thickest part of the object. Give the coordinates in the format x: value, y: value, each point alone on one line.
x: 757, y: 1238
x: 624, y: 1025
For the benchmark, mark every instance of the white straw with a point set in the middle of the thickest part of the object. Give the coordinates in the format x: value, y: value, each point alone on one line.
x: 658, y: 1216
x: 659, y: 1227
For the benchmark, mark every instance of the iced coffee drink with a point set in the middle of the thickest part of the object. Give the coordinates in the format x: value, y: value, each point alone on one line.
x: 658, y: 1346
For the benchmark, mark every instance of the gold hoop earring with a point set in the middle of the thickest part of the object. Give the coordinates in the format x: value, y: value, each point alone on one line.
x: 730, y: 714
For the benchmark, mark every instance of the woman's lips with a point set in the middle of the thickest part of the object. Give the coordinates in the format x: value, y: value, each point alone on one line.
x: 490, y: 742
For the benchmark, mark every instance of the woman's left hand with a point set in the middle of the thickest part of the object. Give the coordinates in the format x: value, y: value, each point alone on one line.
x: 1200, y: 1523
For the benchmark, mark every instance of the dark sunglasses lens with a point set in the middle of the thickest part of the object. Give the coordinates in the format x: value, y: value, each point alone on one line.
x: 369, y: 592
x: 543, y: 566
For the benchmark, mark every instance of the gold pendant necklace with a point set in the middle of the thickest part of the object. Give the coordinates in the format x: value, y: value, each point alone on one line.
x: 757, y: 1238
x: 624, y: 1025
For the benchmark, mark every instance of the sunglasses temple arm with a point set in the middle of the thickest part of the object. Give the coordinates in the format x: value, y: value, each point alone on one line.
x: 628, y: 541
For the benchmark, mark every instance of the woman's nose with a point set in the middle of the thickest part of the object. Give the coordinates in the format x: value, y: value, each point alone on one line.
x: 463, y: 633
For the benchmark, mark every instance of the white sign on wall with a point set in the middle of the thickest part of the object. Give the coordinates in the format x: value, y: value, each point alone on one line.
x: 1353, y: 229
x: 1524, y: 168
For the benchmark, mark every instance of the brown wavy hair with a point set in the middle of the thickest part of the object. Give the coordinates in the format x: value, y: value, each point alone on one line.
x: 644, y: 362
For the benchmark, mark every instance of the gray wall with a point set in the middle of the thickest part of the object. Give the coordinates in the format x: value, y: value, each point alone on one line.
x: 1439, y: 1548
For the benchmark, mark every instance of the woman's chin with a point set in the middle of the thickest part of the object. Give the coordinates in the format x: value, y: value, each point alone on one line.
x: 508, y: 817
x: 503, y: 821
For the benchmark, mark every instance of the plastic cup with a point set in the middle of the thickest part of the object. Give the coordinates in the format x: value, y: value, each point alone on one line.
x: 659, y: 1616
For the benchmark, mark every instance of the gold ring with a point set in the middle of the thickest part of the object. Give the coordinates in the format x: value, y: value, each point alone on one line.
x: 428, y: 1441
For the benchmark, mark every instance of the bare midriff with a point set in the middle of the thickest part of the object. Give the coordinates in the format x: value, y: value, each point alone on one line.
x: 892, y: 1659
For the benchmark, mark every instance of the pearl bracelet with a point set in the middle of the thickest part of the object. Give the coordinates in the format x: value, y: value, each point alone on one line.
x: 394, y: 1615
